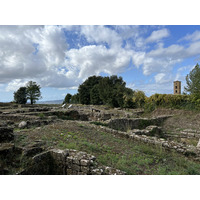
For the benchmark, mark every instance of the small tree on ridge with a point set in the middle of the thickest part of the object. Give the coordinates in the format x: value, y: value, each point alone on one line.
x: 33, y: 92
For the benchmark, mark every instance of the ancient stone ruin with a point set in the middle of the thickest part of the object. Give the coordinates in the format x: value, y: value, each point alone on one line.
x: 67, y: 162
x: 36, y: 158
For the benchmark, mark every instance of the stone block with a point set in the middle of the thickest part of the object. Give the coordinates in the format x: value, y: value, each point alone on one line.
x: 155, y: 131
x: 85, y: 170
x: 84, y: 162
x: 76, y: 167
x: 23, y: 124
x: 97, y: 171
x: 76, y: 161
x: 69, y: 171
x: 69, y: 162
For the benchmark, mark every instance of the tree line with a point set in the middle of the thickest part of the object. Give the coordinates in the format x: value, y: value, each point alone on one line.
x: 112, y: 91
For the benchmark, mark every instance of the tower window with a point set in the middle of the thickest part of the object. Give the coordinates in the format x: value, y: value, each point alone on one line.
x: 175, y: 91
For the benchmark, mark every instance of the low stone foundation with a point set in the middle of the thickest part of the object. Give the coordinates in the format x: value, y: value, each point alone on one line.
x: 179, y: 147
x: 67, y: 162
x: 124, y: 124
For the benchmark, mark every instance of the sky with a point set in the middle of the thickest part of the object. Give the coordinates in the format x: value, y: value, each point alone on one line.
x: 59, y: 58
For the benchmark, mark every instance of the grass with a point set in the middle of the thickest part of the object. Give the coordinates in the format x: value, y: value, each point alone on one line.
x: 129, y: 156
x: 41, y: 115
x: 99, y: 123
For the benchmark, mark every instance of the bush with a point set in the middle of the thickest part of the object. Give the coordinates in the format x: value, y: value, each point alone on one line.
x: 139, y: 98
x: 189, y: 102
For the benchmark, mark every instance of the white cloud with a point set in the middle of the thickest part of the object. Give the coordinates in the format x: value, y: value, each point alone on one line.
x: 15, y: 85
x: 20, y: 60
x: 138, y: 58
x: 41, y: 54
x: 158, y: 35
x: 162, y: 60
x: 159, y: 77
x: 193, y: 37
x: 101, y: 34
x: 18, y: 57
x: 90, y: 60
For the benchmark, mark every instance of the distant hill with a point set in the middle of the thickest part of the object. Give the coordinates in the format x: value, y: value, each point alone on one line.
x: 50, y: 102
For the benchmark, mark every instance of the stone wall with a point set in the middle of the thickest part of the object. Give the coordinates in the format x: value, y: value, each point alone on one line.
x: 187, y: 150
x: 124, y: 124
x: 189, y: 133
x: 67, y: 162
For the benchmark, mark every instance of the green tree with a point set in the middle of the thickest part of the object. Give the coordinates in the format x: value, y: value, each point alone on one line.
x: 67, y: 98
x: 139, y: 98
x: 75, y: 98
x: 111, y: 91
x: 94, y: 95
x: 33, y: 91
x: 128, y: 98
x: 20, y: 95
x: 193, y: 82
x: 85, y: 88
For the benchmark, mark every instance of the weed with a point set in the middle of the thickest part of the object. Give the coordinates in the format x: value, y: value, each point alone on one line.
x: 41, y: 115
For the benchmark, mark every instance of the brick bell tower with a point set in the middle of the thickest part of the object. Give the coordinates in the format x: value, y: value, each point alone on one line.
x: 177, y: 87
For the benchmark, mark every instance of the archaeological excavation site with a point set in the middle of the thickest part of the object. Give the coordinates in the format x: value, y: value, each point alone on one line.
x: 97, y: 140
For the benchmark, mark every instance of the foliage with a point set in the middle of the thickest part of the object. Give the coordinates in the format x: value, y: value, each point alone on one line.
x: 193, y: 82
x: 33, y: 91
x: 139, y: 98
x: 95, y: 96
x: 67, y: 98
x: 20, y: 95
x: 85, y: 88
x: 111, y: 90
x: 41, y: 115
x: 128, y: 98
x: 171, y: 101
x: 99, y: 123
x: 75, y: 98
x: 99, y: 90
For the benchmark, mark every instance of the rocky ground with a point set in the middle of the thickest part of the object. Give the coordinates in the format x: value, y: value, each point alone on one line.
x: 49, y: 139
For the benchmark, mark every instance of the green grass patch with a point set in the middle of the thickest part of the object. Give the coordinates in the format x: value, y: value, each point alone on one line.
x: 41, y: 115
x: 99, y: 123
x: 127, y: 155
